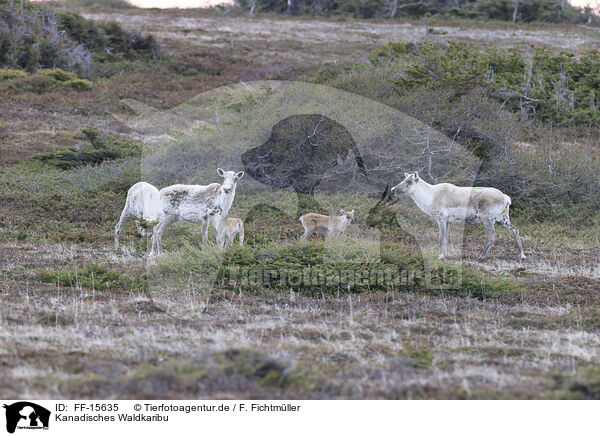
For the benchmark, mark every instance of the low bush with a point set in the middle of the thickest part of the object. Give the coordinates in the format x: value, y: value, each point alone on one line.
x: 107, y: 39
x: 35, y: 83
x: 583, y: 385
x: 8, y: 74
x: 537, y: 84
x: 99, y: 149
x: 39, y: 38
x: 47, y: 80
x: 95, y: 277
x: 58, y: 75
x: 33, y: 40
x: 550, y: 181
x: 66, y: 78
x: 79, y: 84
x: 317, y: 269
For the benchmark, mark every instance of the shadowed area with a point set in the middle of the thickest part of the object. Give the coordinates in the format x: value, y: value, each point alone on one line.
x: 300, y: 149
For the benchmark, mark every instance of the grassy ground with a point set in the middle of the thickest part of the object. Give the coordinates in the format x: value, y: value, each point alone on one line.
x: 78, y: 320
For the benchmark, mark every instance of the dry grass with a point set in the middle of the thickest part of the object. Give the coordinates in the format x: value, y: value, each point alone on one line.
x: 317, y: 41
x: 192, y: 341
x: 410, y: 346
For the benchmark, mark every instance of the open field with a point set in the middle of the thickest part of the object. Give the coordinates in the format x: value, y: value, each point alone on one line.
x: 523, y: 330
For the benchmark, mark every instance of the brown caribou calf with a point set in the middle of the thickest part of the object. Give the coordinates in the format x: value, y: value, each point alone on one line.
x: 328, y: 225
x: 226, y: 228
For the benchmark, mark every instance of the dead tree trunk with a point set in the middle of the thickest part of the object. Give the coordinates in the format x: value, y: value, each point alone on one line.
x: 394, y: 8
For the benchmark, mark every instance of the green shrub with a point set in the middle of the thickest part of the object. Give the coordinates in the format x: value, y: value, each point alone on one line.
x: 58, y: 75
x: 79, y: 84
x: 583, y: 385
x: 549, y: 181
x: 8, y: 74
x: 81, y: 30
x: 106, y: 37
x: 47, y: 80
x: 558, y: 87
x: 36, y: 83
x: 100, y: 149
x: 42, y: 39
x: 33, y: 40
x: 351, y: 266
x: 93, y: 276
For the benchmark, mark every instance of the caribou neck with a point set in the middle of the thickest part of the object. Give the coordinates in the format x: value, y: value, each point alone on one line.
x: 226, y: 200
x: 422, y: 195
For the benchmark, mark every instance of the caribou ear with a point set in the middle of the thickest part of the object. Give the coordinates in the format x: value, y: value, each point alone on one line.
x: 416, y: 174
x: 240, y: 175
x: 406, y: 174
x: 342, y: 211
x: 220, y: 172
x: 352, y: 211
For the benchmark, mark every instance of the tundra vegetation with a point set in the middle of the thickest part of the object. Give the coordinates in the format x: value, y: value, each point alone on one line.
x: 78, y: 319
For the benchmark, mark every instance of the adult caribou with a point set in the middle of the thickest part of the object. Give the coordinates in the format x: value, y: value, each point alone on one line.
x: 447, y: 203
x: 143, y: 201
x: 192, y: 203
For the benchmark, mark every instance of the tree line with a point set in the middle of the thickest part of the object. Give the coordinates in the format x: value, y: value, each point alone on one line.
x: 505, y: 10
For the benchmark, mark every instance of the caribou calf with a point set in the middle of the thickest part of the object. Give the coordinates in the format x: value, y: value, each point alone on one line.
x: 328, y: 225
x: 226, y: 228
x: 448, y: 203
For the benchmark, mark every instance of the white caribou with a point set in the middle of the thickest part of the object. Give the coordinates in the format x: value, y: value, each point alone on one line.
x: 447, y: 203
x: 143, y: 201
x: 191, y: 203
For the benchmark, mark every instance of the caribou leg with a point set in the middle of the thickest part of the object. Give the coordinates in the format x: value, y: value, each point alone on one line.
x: 157, y: 234
x: 489, y: 227
x: 515, y: 232
x: 442, y: 225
